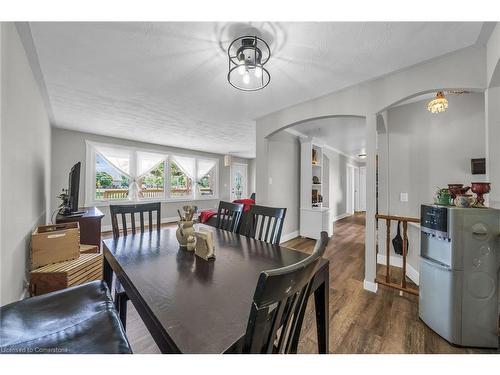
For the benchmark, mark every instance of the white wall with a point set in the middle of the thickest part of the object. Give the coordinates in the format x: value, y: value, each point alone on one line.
x: 25, y: 162
x: 68, y: 147
x: 492, y: 105
x: 426, y: 151
x: 284, y: 179
x: 492, y: 108
x: 493, y: 57
x: 251, y: 176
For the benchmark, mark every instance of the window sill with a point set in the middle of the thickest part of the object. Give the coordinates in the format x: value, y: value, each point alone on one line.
x: 139, y: 201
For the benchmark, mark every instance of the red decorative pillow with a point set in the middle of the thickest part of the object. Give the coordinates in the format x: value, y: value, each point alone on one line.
x: 246, y: 202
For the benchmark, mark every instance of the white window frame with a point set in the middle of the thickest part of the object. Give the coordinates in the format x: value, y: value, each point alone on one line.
x: 90, y: 172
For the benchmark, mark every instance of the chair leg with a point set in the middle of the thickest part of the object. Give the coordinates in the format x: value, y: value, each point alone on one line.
x: 121, y: 306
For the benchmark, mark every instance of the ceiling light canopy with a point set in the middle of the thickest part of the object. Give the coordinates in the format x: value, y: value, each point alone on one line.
x: 247, y: 57
x: 439, y: 104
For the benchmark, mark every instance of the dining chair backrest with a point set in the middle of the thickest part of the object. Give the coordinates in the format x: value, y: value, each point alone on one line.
x: 279, y: 304
x: 264, y: 223
x: 132, y: 209
x: 252, y: 196
x: 229, y: 216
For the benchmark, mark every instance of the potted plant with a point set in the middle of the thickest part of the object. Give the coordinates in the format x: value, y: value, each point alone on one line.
x: 443, y: 196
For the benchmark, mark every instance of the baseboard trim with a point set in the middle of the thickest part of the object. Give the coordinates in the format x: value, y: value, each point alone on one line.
x: 412, y: 274
x: 397, y: 261
x: 340, y: 217
x: 289, y: 236
x: 370, y: 286
x: 164, y: 220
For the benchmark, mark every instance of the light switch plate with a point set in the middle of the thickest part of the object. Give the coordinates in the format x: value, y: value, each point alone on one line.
x: 403, y: 197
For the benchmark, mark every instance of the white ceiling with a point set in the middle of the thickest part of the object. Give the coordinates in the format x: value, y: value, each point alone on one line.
x: 165, y: 83
x: 345, y: 134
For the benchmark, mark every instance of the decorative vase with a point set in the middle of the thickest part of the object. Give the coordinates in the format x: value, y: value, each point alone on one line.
x: 457, y: 189
x: 464, y: 200
x: 185, y: 229
x: 480, y: 188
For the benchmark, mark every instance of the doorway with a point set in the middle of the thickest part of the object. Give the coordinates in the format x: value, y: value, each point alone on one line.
x: 351, y: 189
x: 239, y: 179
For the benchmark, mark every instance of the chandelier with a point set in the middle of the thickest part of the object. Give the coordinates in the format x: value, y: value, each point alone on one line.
x: 247, y: 57
x: 439, y: 104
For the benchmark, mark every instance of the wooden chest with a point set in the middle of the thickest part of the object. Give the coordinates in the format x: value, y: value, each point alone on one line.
x: 54, y: 243
x: 88, y: 267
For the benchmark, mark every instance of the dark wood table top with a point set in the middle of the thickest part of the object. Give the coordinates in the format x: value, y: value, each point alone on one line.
x: 202, y: 306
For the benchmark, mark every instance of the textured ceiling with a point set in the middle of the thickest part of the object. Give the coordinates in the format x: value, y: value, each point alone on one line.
x: 345, y: 134
x: 165, y: 83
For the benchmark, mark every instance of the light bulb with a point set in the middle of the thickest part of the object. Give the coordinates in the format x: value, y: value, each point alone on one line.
x: 258, y: 72
x: 242, y: 69
x: 246, y: 78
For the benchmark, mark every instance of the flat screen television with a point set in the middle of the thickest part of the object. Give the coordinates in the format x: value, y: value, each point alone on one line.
x: 73, y: 191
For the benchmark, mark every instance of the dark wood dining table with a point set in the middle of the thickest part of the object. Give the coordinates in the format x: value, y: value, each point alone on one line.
x: 190, y: 305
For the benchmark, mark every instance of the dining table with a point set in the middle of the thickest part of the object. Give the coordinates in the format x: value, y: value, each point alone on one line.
x: 191, y: 305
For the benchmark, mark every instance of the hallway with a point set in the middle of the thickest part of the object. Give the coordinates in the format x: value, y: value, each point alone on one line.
x: 361, y: 321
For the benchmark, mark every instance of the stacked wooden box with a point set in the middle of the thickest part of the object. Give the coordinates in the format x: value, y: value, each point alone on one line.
x: 59, y: 260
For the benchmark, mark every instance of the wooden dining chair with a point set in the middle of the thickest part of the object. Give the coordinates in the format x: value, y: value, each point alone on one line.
x: 279, y: 305
x: 264, y: 223
x: 131, y: 209
x: 229, y: 216
x: 121, y: 297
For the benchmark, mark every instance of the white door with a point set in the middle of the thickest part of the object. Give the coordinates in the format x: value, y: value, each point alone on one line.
x: 350, y: 189
x: 362, y: 189
x: 239, y: 178
x: 356, y: 189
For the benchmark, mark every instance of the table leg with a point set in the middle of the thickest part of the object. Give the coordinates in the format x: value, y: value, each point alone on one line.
x: 107, y: 273
x: 321, y: 304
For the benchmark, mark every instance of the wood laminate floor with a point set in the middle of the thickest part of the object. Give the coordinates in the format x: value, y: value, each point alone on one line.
x: 360, y: 321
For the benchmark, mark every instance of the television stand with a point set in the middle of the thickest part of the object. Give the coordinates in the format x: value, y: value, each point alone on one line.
x: 74, y: 214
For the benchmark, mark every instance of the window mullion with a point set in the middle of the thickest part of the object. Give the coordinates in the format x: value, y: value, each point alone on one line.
x: 167, y: 179
x: 195, y: 177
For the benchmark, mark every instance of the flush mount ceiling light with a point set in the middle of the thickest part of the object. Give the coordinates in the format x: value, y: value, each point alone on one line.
x: 247, y: 57
x: 362, y: 156
x: 439, y: 104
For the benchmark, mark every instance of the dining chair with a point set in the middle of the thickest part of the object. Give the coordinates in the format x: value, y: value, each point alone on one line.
x: 279, y: 305
x: 132, y: 209
x: 123, y: 210
x: 229, y: 216
x: 264, y: 223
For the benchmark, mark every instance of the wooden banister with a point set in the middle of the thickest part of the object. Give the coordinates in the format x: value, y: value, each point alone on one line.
x: 387, y: 281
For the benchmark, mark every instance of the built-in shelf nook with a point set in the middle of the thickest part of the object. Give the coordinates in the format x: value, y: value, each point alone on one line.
x: 315, y: 213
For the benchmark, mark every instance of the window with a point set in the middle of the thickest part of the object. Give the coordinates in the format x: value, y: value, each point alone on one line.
x: 181, y: 176
x: 150, y: 175
x: 117, y: 173
x: 206, y: 177
x: 111, y: 175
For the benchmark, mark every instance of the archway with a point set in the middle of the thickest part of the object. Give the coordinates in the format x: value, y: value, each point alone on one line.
x: 419, y: 151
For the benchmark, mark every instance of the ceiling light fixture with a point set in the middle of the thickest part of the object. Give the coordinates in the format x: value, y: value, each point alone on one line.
x: 247, y: 57
x: 362, y: 156
x: 439, y: 104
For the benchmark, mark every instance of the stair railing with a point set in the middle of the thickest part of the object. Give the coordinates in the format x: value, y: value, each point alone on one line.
x: 387, y: 280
